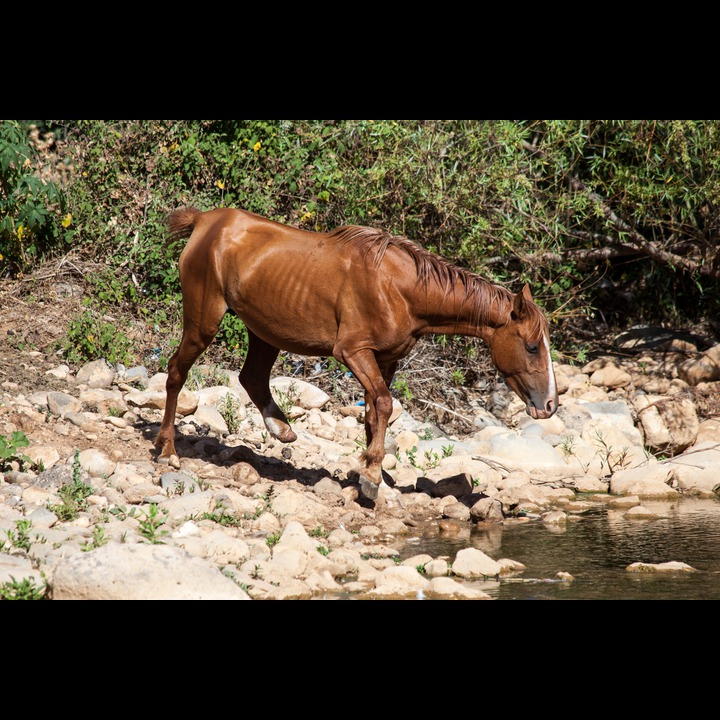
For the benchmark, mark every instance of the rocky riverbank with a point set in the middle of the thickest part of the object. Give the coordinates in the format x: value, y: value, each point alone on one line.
x: 86, y: 512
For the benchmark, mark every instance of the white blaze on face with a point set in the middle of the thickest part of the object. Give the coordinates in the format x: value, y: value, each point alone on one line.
x: 551, y: 375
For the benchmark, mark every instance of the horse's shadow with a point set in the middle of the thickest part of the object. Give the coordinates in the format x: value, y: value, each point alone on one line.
x: 277, y: 469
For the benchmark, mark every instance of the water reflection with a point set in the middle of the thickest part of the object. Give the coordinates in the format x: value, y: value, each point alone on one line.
x: 596, y: 549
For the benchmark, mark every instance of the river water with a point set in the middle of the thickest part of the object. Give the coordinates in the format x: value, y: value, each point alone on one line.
x: 595, y: 548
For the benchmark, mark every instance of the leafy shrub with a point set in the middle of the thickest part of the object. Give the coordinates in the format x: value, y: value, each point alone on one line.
x: 30, y: 206
x: 90, y: 337
x: 611, y: 219
x: 10, y: 450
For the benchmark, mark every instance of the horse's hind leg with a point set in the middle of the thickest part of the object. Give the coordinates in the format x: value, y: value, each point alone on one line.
x: 255, y: 378
x: 197, y: 335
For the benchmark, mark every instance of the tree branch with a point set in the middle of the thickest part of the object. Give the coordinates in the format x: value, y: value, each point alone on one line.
x: 647, y: 247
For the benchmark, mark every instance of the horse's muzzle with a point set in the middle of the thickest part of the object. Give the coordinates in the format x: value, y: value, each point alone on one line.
x: 544, y: 412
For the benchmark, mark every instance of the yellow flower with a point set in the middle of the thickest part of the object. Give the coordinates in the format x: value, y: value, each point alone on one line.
x: 257, y: 146
x: 20, y: 232
x: 220, y: 184
x: 67, y: 220
x: 91, y: 338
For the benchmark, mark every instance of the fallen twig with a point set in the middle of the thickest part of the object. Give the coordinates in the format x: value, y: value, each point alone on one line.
x: 446, y: 409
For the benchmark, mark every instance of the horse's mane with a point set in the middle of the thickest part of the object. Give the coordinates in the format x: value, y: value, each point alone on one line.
x: 483, y: 294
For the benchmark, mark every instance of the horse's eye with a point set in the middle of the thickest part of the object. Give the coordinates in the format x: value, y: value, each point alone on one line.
x: 532, y: 348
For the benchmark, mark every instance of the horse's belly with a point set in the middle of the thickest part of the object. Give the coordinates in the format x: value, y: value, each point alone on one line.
x: 292, y: 332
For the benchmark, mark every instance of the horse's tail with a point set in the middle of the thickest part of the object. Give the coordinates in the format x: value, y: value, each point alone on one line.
x: 181, y: 222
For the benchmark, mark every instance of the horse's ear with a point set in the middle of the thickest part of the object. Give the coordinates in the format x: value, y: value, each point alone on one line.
x: 520, y: 303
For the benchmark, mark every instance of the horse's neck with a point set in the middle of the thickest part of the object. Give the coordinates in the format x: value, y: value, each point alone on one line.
x: 478, y: 313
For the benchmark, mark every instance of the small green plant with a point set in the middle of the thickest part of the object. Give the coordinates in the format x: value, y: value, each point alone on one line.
x: 150, y: 526
x: 568, y: 445
x: 568, y: 448
x: 319, y: 532
x: 233, y: 335
x: 202, y: 377
x: 323, y: 550
x: 425, y: 434
x: 412, y: 456
x: 421, y: 569
x: 230, y: 574
x: 272, y: 539
x: 458, y: 377
x: 229, y: 409
x: 115, y: 411
x: 447, y: 450
x: 612, y: 458
x: 10, y: 450
x: 401, y: 386
x: 30, y: 206
x: 20, y: 537
x: 73, y: 494
x: 286, y: 398
x: 432, y: 459
x: 226, y: 519
x: 122, y: 513
x: 98, y: 539
x: 92, y: 337
x: 24, y: 589
x: 177, y: 488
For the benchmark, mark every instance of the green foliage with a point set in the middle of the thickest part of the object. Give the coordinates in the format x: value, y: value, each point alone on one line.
x: 151, y: 524
x: 91, y: 337
x: 607, y: 220
x: 402, y: 387
x: 73, y: 495
x: 233, y: 335
x: 25, y: 589
x: 318, y: 532
x: 202, y: 376
x: 285, y: 399
x: 31, y: 207
x: 224, y: 518
x: 9, y: 450
x: 229, y: 409
x: 20, y: 537
x: 98, y: 539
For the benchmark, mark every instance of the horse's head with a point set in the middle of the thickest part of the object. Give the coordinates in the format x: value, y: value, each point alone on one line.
x: 520, y: 350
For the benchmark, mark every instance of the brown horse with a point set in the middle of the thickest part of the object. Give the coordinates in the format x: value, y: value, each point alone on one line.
x: 361, y: 295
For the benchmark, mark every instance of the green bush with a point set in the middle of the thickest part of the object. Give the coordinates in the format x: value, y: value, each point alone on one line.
x: 616, y: 218
x: 90, y: 337
x: 31, y: 207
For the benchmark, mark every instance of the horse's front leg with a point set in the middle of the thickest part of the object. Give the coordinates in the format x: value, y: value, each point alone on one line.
x: 255, y: 378
x: 199, y: 329
x: 378, y: 408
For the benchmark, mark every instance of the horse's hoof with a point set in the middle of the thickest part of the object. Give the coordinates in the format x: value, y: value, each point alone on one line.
x: 369, y: 488
x: 279, y: 430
